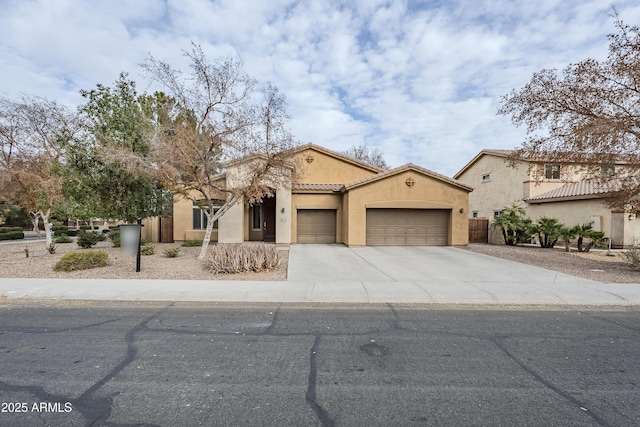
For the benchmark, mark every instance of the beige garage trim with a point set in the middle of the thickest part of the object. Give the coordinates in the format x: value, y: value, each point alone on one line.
x: 407, y: 227
x: 316, y: 226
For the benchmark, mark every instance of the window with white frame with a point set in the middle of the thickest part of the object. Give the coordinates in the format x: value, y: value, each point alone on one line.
x: 496, y: 214
x: 474, y: 214
x: 200, y: 218
x: 552, y: 171
x: 486, y: 177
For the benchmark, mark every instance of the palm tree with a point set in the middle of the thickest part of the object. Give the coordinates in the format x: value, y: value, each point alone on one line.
x: 513, y: 224
x: 548, y: 231
x: 567, y: 235
x: 586, y: 231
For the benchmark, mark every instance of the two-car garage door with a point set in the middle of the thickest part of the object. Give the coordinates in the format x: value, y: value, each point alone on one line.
x: 407, y: 227
x: 385, y: 227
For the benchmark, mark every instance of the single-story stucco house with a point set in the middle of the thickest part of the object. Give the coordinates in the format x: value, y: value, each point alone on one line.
x: 338, y: 199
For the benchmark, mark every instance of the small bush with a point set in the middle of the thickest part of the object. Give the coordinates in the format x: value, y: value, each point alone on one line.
x: 63, y: 239
x: 88, y: 239
x: 114, y: 236
x: 240, y: 258
x: 147, y: 249
x: 633, y: 256
x: 4, y: 230
x: 76, y: 260
x: 191, y: 243
x: 172, y: 252
x: 12, y: 235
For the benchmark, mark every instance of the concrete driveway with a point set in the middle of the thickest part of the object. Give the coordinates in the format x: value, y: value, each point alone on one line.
x: 438, y: 274
x: 410, y: 263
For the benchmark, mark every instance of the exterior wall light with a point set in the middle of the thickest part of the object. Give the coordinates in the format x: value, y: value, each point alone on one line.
x: 631, y: 217
x: 282, y: 210
x: 461, y: 210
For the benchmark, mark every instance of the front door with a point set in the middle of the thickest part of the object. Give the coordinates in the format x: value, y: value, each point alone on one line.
x: 269, y: 226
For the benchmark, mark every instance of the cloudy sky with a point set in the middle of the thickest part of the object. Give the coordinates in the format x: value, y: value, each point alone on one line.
x: 421, y: 80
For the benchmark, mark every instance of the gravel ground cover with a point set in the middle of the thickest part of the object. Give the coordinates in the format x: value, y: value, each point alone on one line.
x: 14, y: 263
x: 593, y: 265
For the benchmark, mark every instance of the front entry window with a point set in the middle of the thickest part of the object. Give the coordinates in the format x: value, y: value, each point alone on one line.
x: 256, y: 219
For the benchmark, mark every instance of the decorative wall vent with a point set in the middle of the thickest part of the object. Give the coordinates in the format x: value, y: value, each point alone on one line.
x: 309, y: 158
x: 410, y: 182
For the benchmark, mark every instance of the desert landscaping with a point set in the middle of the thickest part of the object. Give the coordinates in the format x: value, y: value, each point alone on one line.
x: 594, y: 265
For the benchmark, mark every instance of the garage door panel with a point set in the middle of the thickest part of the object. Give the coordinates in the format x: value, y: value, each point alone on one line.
x: 407, y: 227
x: 316, y: 226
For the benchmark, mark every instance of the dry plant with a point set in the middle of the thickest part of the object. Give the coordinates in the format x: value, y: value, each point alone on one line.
x: 234, y: 258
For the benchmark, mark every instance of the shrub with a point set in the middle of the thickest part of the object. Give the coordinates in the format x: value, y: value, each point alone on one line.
x: 63, y: 238
x: 60, y: 230
x: 240, y: 258
x: 88, y: 239
x: 172, y: 252
x: 114, y: 236
x: 191, y: 243
x: 12, y: 235
x: 147, y: 249
x: 4, y: 230
x: 633, y: 256
x: 82, y: 260
x: 548, y: 231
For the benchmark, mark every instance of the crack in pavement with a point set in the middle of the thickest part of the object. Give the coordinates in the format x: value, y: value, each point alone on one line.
x: 565, y: 395
x: 310, y: 396
x: 96, y: 411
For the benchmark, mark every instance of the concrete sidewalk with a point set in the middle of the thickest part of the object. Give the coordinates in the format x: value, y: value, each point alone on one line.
x: 347, y: 291
x: 338, y: 274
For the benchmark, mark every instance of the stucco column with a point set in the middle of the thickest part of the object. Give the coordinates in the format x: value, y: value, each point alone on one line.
x: 231, y: 225
x: 283, y: 215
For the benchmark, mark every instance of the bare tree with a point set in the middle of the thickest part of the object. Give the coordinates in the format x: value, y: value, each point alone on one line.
x: 31, y: 132
x: 372, y: 156
x: 211, y: 118
x: 589, y: 115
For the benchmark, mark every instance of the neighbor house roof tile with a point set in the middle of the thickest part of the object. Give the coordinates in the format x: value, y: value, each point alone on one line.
x: 584, y: 189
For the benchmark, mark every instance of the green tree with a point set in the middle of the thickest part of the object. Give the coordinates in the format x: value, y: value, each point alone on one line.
x: 567, y: 235
x: 513, y: 223
x: 548, y: 231
x: 117, y: 122
x: 586, y: 231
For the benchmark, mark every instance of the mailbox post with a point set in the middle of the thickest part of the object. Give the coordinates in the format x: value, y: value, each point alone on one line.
x: 130, y: 237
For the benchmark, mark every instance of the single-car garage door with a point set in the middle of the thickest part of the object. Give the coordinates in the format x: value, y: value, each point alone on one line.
x: 316, y: 226
x: 407, y: 227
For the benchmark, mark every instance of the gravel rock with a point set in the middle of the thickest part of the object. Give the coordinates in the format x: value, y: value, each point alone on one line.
x: 14, y: 263
x: 594, y: 265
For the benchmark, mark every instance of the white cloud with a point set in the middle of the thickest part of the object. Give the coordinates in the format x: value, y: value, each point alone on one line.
x: 420, y: 80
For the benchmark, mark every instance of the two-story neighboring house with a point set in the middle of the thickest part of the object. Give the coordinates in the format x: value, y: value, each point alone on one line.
x: 549, y: 189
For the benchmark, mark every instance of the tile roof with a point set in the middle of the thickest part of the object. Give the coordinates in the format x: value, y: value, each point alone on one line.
x: 585, y: 189
x: 317, y: 187
x: 408, y: 166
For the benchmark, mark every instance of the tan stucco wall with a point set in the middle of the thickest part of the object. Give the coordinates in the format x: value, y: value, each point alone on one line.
x: 427, y: 193
x: 574, y: 212
x: 183, y: 222
x: 325, y: 169
x: 317, y: 201
x: 504, y: 187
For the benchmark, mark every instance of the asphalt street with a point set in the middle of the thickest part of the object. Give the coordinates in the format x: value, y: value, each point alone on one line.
x: 189, y: 364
